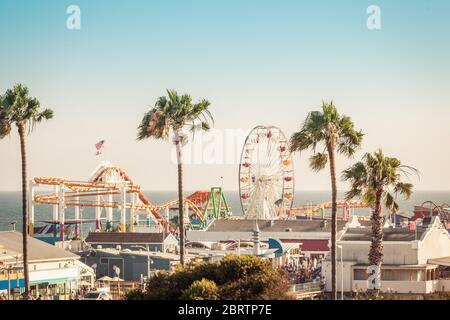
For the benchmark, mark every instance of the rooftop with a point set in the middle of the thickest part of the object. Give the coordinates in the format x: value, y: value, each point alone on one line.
x: 11, y: 245
x: 124, y: 237
x: 389, y: 234
x: 151, y: 254
x: 248, y: 225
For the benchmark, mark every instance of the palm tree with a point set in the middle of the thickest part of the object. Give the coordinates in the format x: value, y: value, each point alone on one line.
x: 330, y: 132
x: 176, y: 112
x: 17, y: 107
x: 376, y: 179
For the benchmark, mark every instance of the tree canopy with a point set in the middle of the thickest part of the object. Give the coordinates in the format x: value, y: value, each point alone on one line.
x: 324, y: 130
x: 232, y: 278
x: 17, y: 107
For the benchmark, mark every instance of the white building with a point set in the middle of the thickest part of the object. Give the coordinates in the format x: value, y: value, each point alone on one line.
x: 53, y: 271
x: 311, y: 235
x: 414, y: 261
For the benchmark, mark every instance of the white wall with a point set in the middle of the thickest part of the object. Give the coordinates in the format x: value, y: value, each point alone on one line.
x: 347, y: 268
x: 397, y: 286
x: 436, y: 244
x: 196, y: 235
x: 49, y: 265
x: 395, y: 253
x: 42, y: 275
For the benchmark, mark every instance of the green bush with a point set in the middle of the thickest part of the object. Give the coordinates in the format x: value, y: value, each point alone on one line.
x: 201, y: 290
x: 232, y: 278
x: 134, y: 294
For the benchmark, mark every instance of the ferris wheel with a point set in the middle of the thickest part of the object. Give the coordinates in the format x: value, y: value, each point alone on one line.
x: 266, y: 174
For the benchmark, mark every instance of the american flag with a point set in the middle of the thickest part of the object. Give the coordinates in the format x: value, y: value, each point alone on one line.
x: 99, y: 146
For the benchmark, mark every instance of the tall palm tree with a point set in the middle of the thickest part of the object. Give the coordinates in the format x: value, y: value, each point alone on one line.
x: 17, y: 107
x: 325, y: 133
x: 376, y: 179
x: 175, y: 112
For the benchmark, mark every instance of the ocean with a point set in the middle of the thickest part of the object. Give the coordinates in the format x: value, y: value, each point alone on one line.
x: 10, y: 205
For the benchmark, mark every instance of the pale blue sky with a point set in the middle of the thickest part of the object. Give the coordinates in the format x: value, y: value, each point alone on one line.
x: 266, y: 62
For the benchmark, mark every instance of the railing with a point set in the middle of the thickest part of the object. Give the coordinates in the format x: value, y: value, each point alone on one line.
x: 307, y: 287
x: 118, y: 289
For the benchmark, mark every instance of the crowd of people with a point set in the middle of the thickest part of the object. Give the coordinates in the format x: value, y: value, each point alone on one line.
x: 305, y: 269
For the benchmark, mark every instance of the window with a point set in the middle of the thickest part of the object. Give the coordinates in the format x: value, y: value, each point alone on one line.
x: 359, y: 274
x: 104, y: 260
x: 388, y: 275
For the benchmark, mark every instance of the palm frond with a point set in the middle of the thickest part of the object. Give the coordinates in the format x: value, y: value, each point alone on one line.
x: 5, y: 128
x: 318, y: 161
x: 405, y: 189
x: 174, y: 112
x: 18, y: 107
x: 381, y: 173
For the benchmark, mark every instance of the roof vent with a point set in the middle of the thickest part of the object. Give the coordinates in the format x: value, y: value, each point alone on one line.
x: 323, y: 224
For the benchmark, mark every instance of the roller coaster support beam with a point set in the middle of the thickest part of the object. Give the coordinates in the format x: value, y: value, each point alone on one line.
x: 123, y: 211
x: 98, y: 212
x: 109, y: 214
x: 55, y: 212
x: 77, y: 216
x: 133, y: 218
x: 61, y: 213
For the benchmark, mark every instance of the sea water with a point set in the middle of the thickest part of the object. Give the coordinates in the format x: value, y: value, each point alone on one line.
x: 11, y: 205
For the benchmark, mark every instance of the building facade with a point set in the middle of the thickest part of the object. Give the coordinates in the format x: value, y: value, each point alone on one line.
x: 54, y: 273
x: 414, y: 261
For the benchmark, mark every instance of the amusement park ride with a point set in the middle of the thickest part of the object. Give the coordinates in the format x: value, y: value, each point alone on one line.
x: 266, y: 180
x: 111, y: 188
x: 266, y: 174
x: 431, y: 209
x: 266, y: 191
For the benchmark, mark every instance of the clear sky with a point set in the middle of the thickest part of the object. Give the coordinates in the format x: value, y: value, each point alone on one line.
x: 258, y: 62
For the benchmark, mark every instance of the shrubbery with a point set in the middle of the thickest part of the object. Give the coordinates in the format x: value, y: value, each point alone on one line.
x: 232, y: 278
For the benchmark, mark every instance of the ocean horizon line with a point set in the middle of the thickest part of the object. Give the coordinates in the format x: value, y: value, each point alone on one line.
x: 237, y: 190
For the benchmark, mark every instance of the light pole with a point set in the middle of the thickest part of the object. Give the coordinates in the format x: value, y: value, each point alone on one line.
x: 342, y: 273
x: 9, y: 282
x: 149, y: 262
x: 117, y: 272
x: 94, y: 266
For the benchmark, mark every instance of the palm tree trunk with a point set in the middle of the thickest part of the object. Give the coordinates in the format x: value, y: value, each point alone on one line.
x: 376, y: 247
x: 330, y: 149
x: 180, y: 196
x: 21, y: 128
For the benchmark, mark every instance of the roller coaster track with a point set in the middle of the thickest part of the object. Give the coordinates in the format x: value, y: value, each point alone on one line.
x: 97, y: 187
x: 328, y: 205
x: 442, y: 211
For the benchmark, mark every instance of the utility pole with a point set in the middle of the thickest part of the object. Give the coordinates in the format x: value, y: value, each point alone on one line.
x: 342, y: 272
x: 148, y: 262
x: 9, y: 283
